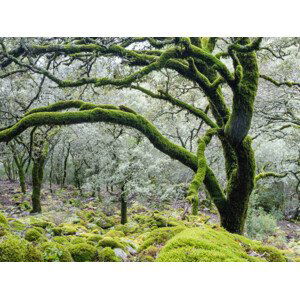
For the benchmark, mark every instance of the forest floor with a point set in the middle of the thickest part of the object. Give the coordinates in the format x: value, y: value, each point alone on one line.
x: 64, y: 205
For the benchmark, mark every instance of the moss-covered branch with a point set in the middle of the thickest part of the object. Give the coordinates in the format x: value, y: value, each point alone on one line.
x: 192, y: 194
x: 249, y: 47
x: 209, y: 58
x: 278, y: 84
x: 102, y: 115
x: 268, y: 174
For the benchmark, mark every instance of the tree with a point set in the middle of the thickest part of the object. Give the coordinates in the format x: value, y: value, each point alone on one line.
x: 196, y: 60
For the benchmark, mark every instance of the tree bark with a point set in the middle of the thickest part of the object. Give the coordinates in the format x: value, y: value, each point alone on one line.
x: 123, y: 207
x: 37, y: 180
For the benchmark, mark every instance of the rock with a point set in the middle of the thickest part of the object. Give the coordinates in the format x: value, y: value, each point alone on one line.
x: 120, y: 253
x: 131, y: 250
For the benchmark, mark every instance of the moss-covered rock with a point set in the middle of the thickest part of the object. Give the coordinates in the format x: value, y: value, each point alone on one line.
x: 3, y: 219
x: 61, y: 240
x: 95, y: 238
x: 107, y: 255
x: 110, y: 242
x: 17, y: 225
x: 83, y: 252
x: 66, y: 229
x: 151, y: 250
x: 54, y: 252
x: 33, y: 235
x: 104, y: 222
x: 128, y: 228
x: 41, y: 223
x: 160, y: 236
x: 33, y: 254
x: 206, y: 244
x: 114, y: 234
x: 76, y: 240
x: 12, y: 249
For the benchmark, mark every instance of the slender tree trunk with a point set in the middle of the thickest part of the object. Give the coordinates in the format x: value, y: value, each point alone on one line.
x: 63, y: 181
x: 37, y: 180
x: 123, y: 207
x: 51, y: 174
x: 21, y: 173
x: 22, y: 179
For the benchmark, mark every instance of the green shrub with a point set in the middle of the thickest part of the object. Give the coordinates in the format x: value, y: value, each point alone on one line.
x: 260, y: 225
x: 270, y: 198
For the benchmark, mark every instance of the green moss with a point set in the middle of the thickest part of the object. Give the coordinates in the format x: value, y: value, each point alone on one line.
x: 33, y: 254
x: 83, y: 252
x: 61, y: 240
x: 114, y: 234
x: 110, y: 242
x: 107, y: 255
x: 3, y: 231
x: 57, y: 231
x: 17, y: 225
x: 33, y: 234
x: 95, y: 238
x: 87, y: 215
x: 105, y: 222
x: 54, y: 252
x: 146, y: 258
x: 160, y: 236
x: 128, y: 228
x: 76, y: 240
x: 151, y: 251
x: 212, y: 245
x: 3, y: 219
x: 41, y: 223
x: 25, y: 205
x: 66, y: 229
x: 12, y: 249
x: 152, y: 220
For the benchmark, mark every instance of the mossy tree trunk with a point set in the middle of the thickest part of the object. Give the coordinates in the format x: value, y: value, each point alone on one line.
x: 123, y: 206
x: 37, y: 180
x: 40, y: 150
x: 64, y: 176
x: 22, y: 178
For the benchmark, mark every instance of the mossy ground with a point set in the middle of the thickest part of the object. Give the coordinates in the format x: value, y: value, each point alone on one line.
x: 89, y: 232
